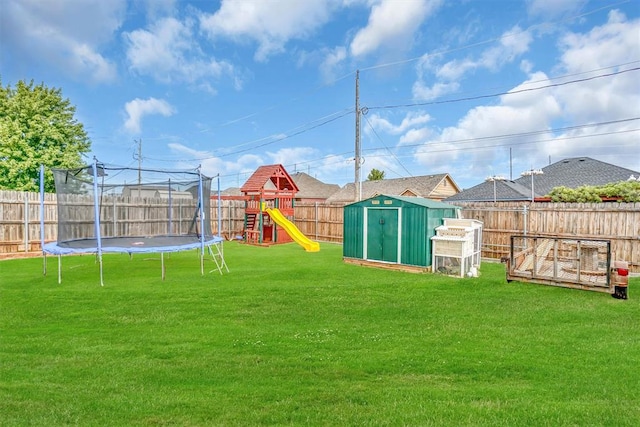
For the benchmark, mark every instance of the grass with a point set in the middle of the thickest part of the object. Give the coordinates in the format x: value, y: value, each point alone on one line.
x: 296, y: 338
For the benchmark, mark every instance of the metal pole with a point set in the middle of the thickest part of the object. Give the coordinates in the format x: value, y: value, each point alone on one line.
x: 532, y: 192
x: 358, y: 194
x: 219, y: 209
x: 170, y: 208
x: 201, y: 208
x: 44, y: 255
x: 96, y: 212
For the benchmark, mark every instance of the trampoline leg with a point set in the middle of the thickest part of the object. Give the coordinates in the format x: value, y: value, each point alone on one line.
x: 162, y: 264
x: 59, y: 269
x: 44, y: 263
x: 100, y: 261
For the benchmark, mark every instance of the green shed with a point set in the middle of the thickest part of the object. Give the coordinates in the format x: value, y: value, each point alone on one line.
x: 393, y: 230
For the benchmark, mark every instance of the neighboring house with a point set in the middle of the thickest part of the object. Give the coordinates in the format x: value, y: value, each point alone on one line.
x: 157, y: 192
x: 434, y: 187
x: 231, y: 193
x: 490, y: 191
x: 311, y: 189
x: 572, y: 173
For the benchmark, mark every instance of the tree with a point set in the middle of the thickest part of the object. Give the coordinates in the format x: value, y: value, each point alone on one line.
x: 624, y: 191
x: 375, y: 175
x: 37, y: 127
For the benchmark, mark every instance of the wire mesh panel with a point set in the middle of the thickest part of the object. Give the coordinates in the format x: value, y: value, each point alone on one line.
x: 575, y: 263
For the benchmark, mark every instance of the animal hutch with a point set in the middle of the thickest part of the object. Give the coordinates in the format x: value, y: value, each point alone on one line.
x: 393, y: 231
x: 457, y: 247
x: 270, y: 187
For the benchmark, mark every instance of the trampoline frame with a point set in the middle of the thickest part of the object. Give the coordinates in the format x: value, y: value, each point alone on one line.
x: 133, y: 244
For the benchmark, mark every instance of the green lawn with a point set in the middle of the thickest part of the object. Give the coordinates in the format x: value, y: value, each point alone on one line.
x: 295, y: 338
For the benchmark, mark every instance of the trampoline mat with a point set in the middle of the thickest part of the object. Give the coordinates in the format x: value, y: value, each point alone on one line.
x: 130, y: 244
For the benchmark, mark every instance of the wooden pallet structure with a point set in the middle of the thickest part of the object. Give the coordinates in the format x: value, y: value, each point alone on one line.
x: 571, y: 263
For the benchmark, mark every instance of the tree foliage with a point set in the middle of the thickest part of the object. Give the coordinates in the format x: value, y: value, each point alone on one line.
x: 624, y: 191
x: 37, y: 127
x: 375, y: 175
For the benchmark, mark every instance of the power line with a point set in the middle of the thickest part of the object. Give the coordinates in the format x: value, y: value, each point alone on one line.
x: 529, y: 133
x: 378, y: 66
x: 307, y: 127
x: 493, y: 95
x: 495, y: 39
x: 387, y: 148
x: 483, y: 147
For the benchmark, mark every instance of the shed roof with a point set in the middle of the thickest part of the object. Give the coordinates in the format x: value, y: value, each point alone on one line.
x: 420, y: 201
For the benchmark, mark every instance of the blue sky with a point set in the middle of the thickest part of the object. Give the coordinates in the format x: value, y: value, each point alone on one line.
x: 471, y: 88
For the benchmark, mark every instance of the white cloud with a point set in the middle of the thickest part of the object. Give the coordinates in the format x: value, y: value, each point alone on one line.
x: 511, y: 45
x: 608, y: 45
x: 139, y: 108
x: 412, y: 120
x: 392, y: 24
x: 589, y: 102
x: 286, y: 156
x: 603, y: 46
x: 65, y: 34
x: 554, y: 8
x: 271, y: 24
x: 515, y: 114
x: 414, y: 136
x: 332, y: 60
x: 232, y: 173
x: 168, y: 52
x: 423, y: 92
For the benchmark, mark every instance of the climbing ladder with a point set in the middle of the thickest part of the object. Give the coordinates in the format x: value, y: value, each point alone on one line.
x: 251, y: 234
x: 216, y: 252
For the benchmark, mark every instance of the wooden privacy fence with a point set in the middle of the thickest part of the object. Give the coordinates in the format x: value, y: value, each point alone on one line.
x: 617, y: 222
x: 20, y: 221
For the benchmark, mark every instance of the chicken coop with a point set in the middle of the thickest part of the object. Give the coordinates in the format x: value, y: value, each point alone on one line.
x: 457, y: 247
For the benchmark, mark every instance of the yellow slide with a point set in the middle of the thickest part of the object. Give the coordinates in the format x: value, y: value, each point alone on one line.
x: 292, y: 230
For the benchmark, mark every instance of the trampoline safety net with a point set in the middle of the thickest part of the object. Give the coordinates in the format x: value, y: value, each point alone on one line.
x: 119, y: 209
x: 138, y: 209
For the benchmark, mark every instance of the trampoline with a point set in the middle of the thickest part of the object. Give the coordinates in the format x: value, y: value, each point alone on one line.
x: 110, y: 209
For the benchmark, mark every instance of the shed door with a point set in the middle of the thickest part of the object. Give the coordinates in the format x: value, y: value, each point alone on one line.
x: 382, y: 235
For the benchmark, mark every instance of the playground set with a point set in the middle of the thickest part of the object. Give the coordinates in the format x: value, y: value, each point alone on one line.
x: 269, y: 196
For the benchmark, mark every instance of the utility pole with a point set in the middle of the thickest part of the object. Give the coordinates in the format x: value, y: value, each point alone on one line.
x: 358, y: 194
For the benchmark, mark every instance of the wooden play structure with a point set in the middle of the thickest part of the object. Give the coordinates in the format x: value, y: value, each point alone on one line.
x: 269, y: 195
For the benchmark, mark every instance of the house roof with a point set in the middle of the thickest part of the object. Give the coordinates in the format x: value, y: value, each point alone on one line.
x: 312, y: 188
x: 505, y: 191
x: 269, y: 177
x: 575, y: 172
x: 571, y: 172
x: 422, y: 186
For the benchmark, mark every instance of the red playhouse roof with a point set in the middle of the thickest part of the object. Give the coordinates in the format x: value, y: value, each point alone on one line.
x: 270, y: 179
